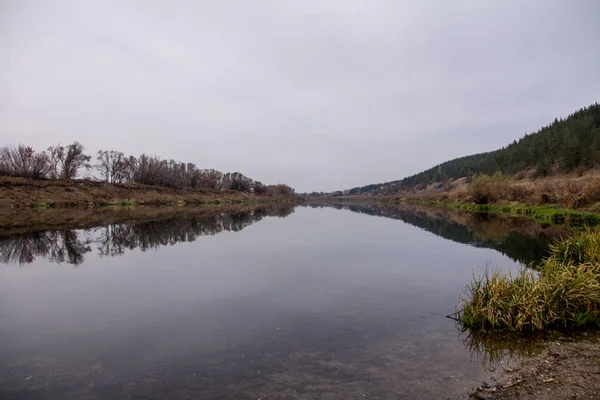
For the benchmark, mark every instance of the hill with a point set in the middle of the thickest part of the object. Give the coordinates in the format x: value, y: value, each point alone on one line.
x: 562, y: 146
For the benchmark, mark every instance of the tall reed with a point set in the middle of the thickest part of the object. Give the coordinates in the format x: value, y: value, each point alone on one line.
x: 565, y: 292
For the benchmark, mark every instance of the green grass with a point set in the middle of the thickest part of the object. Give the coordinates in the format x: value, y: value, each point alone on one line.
x: 545, y: 213
x: 41, y: 205
x: 564, y: 293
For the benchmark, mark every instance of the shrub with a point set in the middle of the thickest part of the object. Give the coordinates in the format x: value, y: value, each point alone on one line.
x: 22, y: 161
x: 486, y: 189
x: 544, y: 198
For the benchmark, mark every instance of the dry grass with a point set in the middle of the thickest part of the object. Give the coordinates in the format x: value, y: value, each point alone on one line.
x: 575, y: 190
x: 565, y: 292
x: 570, y: 191
x: 485, y: 189
x: 20, y: 192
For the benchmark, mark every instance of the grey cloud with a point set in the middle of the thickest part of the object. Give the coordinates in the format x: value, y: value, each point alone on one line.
x: 320, y: 95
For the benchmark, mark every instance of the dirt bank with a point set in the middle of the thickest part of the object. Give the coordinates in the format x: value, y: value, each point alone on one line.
x: 563, y: 370
x: 18, y: 192
x: 27, y: 220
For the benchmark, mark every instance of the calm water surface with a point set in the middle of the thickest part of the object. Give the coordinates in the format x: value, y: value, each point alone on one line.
x: 322, y: 304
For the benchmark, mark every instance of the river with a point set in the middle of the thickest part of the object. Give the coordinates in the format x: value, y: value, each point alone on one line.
x: 275, y: 302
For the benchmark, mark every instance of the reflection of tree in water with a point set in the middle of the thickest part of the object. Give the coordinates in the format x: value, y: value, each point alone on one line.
x: 114, y: 239
x: 523, y: 240
x: 57, y: 246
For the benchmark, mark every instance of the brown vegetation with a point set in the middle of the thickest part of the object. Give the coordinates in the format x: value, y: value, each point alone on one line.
x: 20, y: 192
x: 568, y: 190
x: 65, y: 163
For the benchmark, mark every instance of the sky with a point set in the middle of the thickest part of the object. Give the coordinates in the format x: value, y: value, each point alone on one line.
x: 321, y: 95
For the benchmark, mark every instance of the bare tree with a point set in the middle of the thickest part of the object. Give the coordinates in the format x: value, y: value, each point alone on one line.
x: 210, y: 179
x: 129, y: 167
x: 259, y: 187
x: 66, y: 161
x: 103, y: 164
x: 112, y: 165
x: 150, y: 170
x: 74, y: 159
x: 23, y: 161
x: 237, y: 181
x: 279, y: 190
x: 55, y: 156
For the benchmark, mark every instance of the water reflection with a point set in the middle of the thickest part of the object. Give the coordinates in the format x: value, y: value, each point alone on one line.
x: 70, y: 245
x: 308, y: 307
x: 493, y: 348
x: 522, y: 239
x: 58, y: 246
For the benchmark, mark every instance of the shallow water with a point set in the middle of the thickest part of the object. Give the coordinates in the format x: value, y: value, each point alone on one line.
x: 324, y: 303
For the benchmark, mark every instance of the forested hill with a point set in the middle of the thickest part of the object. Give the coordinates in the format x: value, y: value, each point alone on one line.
x: 562, y: 146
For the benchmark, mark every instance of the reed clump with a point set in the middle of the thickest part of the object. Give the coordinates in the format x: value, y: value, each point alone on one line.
x: 563, y: 291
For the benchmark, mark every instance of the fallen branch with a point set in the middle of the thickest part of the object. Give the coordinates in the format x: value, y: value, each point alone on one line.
x: 513, y: 384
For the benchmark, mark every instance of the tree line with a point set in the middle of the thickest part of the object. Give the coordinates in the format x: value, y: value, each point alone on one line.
x: 68, y: 162
x: 564, y: 145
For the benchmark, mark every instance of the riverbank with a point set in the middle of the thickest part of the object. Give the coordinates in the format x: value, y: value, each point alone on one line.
x: 543, y: 213
x: 564, y: 369
x: 27, y: 193
x: 16, y: 221
x: 570, y: 191
x: 563, y: 294
x: 570, y: 199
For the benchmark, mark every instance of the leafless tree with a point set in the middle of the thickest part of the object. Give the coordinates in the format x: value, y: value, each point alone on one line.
x: 112, y: 166
x: 237, y: 181
x: 280, y: 190
x: 23, y: 161
x: 210, y: 179
x: 55, y: 156
x: 66, y: 161
x: 74, y: 159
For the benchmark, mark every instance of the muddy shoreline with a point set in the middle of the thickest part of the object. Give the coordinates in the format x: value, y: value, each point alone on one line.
x: 566, y: 368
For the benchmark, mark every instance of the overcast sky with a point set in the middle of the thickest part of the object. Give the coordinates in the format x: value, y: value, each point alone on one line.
x: 322, y: 95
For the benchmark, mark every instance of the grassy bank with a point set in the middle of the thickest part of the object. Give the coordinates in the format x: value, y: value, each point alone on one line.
x: 27, y: 193
x: 563, y: 293
x: 542, y: 213
x: 564, y: 199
